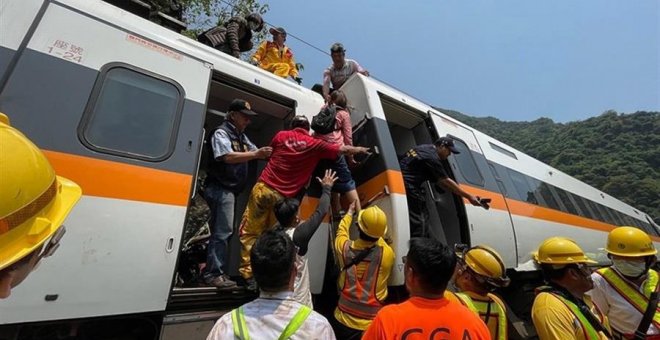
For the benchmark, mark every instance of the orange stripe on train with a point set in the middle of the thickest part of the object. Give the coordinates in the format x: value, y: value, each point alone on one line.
x: 111, y: 179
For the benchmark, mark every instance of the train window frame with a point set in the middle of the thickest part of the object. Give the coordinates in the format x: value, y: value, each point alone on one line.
x: 459, y: 160
x: 92, y: 111
x: 498, y: 179
x: 521, y: 179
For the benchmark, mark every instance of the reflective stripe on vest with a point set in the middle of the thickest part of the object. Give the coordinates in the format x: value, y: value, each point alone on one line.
x: 358, y: 296
x: 631, y: 293
x: 481, y: 309
x: 587, y: 329
x: 241, y: 331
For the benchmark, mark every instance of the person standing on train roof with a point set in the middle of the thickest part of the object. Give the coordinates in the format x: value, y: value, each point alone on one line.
x: 226, y: 178
x: 623, y: 291
x: 428, y: 313
x: 295, y: 156
x: 562, y: 310
x: 365, y: 264
x: 340, y: 70
x: 34, y: 204
x: 424, y: 163
x: 480, y: 271
x: 275, y: 57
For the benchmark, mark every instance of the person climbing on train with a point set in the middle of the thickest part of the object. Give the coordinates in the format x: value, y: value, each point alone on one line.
x: 340, y: 70
x: 275, y: 57
x: 234, y: 36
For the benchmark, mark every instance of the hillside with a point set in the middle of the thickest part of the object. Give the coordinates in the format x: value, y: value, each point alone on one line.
x: 617, y: 153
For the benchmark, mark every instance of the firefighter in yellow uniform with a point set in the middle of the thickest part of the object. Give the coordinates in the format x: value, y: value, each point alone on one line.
x: 480, y: 271
x: 33, y: 204
x: 366, y: 264
x: 561, y: 310
x: 622, y: 291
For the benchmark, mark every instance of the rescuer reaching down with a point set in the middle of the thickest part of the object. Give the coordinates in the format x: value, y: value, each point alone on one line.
x: 423, y: 163
x: 35, y: 203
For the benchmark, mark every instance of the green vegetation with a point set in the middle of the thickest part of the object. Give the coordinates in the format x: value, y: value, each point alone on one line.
x: 614, y: 152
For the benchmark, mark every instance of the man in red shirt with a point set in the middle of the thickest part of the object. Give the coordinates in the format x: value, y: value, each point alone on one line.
x: 427, y: 314
x: 291, y: 164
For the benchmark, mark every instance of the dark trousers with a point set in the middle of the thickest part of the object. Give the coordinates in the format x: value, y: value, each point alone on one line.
x: 418, y: 214
x: 343, y: 332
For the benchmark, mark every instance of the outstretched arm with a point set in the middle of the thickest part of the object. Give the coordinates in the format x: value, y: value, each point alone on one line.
x: 304, y: 232
x: 448, y: 183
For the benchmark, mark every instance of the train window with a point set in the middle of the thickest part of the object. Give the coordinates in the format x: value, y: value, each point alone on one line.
x: 544, y: 190
x: 522, y: 187
x: 622, y: 218
x: 568, y: 203
x: 582, y: 204
x: 466, y: 164
x: 594, y: 210
x: 502, y: 150
x: 603, y: 213
x: 498, y: 179
x: 535, y: 184
x: 132, y: 113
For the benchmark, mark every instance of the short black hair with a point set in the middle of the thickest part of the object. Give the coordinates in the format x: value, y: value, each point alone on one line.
x: 286, y: 210
x: 300, y: 122
x: 273, y: 258
x: 433, y: 261
x: 339, y: 98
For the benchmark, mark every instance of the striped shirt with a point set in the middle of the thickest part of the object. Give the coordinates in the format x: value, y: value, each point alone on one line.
x: 338, y: 76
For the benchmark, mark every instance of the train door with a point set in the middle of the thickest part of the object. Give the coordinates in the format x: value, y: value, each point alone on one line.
x: 120, y: 114
x: 470, y: 169
x: 274, y: 111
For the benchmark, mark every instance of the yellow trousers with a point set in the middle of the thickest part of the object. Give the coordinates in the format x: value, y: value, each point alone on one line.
x: 279, y: 69
x: 257, y: 218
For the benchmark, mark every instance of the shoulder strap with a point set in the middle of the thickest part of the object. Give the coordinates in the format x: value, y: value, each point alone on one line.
x: 467, y: 302
x: 240, y: 328
x: 295, y: 322
x: 582, y: 308
x: 649, y: 313
x: 359, y: 257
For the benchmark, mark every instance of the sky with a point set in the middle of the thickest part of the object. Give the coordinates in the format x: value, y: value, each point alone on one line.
x: 517, y: 60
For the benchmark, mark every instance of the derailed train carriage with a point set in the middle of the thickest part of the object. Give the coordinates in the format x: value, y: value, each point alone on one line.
x: 121, y: 106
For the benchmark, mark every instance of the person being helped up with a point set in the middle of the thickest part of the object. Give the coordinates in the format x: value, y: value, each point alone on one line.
x: 295, y: 156
x: 424, y: 163
x: 623, y: 291
x: 365, y: 264
x: 275, y: 57
x: 301, y: 232
x: 275, y: 314
x: 480, y: 271
x: 235, y: 36
x: 339, y: 133
x: 427, y: 267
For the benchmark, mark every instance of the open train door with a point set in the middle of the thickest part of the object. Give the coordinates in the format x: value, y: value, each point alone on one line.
x: 470, y: 169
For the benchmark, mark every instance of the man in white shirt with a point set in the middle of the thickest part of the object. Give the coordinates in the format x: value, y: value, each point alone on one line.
x: 275, y: 314
x: 622, y: 291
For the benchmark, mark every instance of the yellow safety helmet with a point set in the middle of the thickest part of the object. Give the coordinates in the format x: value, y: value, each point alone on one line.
x: 33, y: 200
x: 372, y: 221
x: 630, y: 242
x: 560, y: 250
x: 486, y: 262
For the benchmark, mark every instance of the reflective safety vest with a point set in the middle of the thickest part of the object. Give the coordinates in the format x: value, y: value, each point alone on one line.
x: 587, y: 329
x: 358, y: 296
x: 631, y: 293
x: 241, y: 331
x: 481, y: 309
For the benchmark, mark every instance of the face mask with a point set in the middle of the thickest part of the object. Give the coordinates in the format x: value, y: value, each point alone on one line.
x: 630, y: 268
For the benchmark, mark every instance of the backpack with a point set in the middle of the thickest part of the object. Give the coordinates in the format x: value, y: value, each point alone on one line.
x: 325, y: 121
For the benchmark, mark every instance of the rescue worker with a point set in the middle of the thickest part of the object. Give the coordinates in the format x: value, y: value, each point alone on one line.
x: 424, y: 163
x: 295, y: 155
x: 340, y: 70
x: 365, y: 265
x: 301, y: 232
x: 427, y: 267
x: 622, y: 291
x: 561, y: 310
x: 480, y: 271
x: 235, y: 36
x: 34, y: 204
x: 275, y: 314
x: 275, y: 57
x: 227, y: 176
